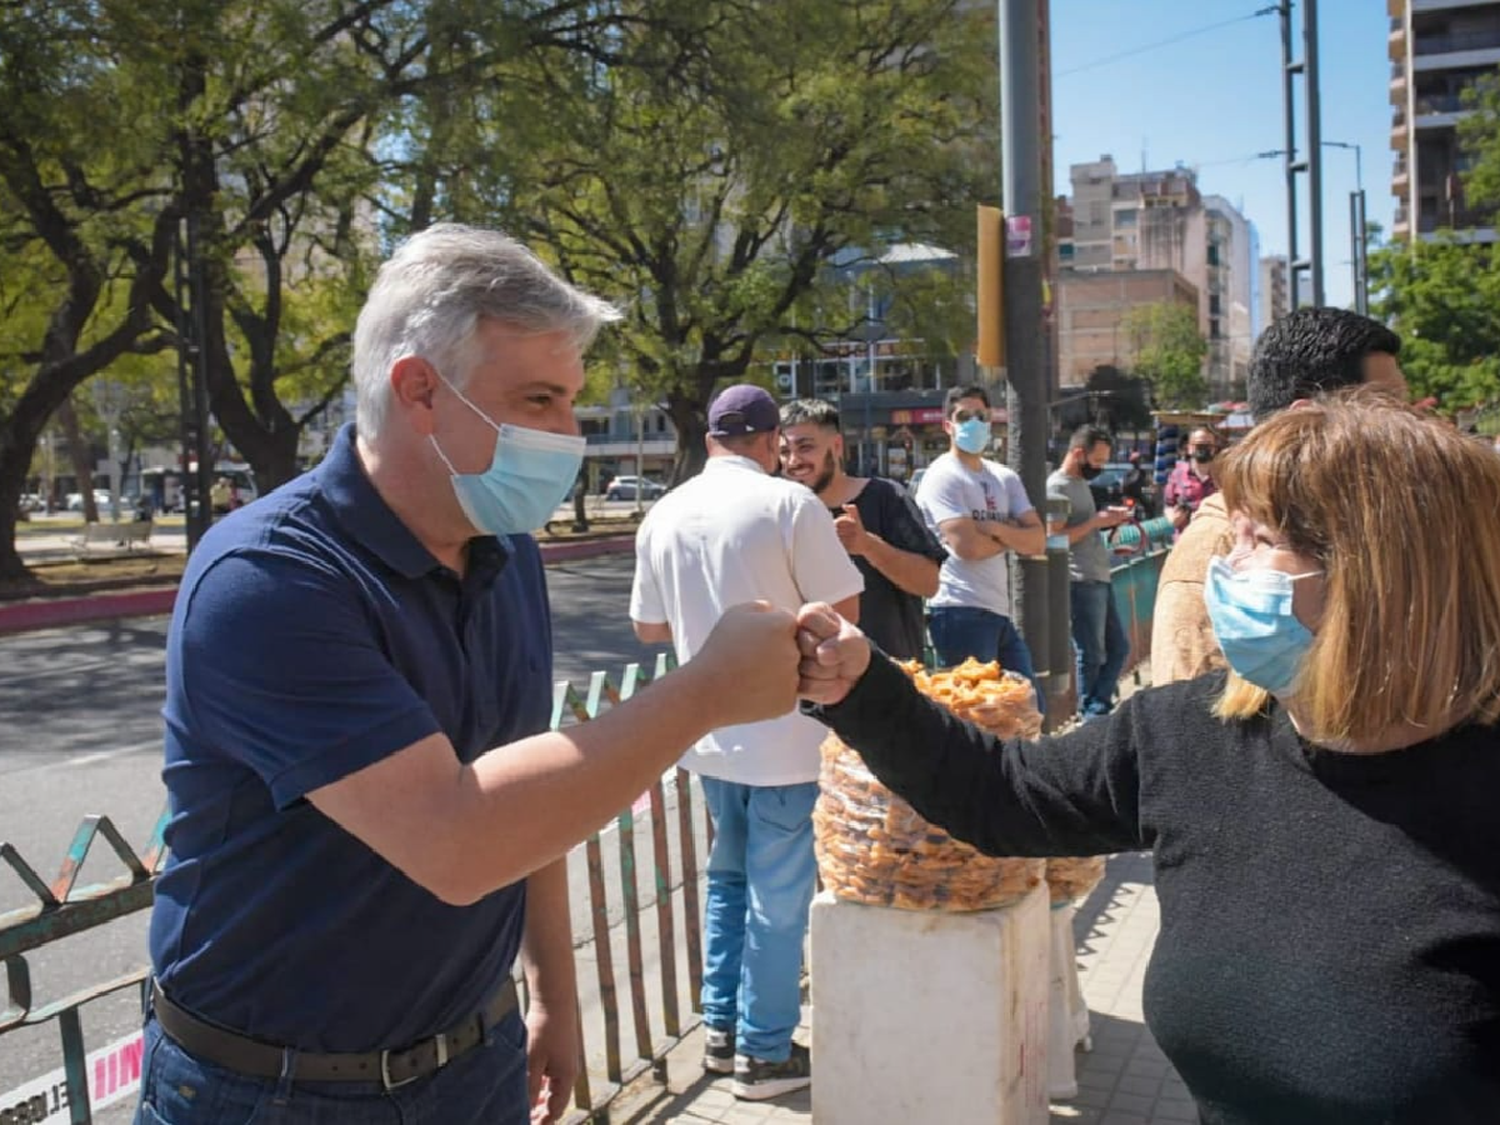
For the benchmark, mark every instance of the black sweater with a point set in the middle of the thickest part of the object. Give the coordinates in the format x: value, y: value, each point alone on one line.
x: 1330, y: 923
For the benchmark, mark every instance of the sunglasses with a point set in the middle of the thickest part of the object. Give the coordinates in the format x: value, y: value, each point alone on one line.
x: 962, y: 416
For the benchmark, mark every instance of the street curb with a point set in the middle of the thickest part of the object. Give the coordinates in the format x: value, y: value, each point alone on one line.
x: 54, y: 613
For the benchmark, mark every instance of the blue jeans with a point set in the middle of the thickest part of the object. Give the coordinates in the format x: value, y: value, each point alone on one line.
x: 1101, y: 645
x: 484, y: 1086
x: 959, y: 632
x: 761, y: 874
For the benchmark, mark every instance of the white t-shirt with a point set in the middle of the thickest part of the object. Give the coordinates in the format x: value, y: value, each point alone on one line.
x: 733, y: 534
x: 950, y: 490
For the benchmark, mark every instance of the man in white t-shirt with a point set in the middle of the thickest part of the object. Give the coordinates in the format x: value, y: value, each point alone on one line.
x: 737, y: 534
x: 979, y: 509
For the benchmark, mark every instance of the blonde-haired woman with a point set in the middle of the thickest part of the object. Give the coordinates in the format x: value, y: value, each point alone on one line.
x: 1325, y: 817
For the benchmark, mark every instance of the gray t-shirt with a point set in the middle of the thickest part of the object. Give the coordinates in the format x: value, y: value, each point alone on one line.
x: 1088, y: 558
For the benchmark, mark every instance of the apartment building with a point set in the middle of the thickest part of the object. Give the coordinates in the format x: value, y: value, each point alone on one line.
x: 1160, y: 222
x: 1437, y: 49
x: 1275, y: 292
x: 1092, y: 308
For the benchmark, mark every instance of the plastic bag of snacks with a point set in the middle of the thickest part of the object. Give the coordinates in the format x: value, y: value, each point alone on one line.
x: 874, y: 848
x: 1070, y: 879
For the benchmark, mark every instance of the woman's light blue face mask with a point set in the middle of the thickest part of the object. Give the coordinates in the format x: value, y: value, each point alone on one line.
x: 1250, y: 608
x: 530, y: 474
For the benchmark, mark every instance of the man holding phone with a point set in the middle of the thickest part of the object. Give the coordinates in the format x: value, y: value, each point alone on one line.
x: 1099, y: 637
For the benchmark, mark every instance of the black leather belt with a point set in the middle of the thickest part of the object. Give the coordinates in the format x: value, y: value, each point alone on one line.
x: 390, y: 1068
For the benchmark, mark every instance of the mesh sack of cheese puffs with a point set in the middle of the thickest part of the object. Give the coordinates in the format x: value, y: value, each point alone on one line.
x: 874, y: 848
x: 1071, y: 879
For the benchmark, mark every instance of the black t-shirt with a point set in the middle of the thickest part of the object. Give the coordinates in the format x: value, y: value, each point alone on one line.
x: 1330, y: 923
x: 888, y: 614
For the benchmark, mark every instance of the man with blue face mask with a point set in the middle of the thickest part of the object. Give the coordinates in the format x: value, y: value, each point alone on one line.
x: 369, y: 823
x: 980, y: 510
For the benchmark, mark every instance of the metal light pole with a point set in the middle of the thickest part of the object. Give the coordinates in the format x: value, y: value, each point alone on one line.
x: 1026, y: 377
x: 1357, y: 229
x: 1313, y: 164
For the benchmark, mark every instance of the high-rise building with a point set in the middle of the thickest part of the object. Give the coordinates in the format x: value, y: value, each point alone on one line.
x: 1275, y: 296
x: 1437, y: 49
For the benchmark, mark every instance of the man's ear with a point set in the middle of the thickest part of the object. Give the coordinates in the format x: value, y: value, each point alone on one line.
x: 1298, y: 404
x: 414, y: 384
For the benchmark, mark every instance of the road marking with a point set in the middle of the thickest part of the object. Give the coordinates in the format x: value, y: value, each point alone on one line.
x: 106, y: 755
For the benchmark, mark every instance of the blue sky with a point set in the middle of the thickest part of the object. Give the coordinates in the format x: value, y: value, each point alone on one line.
x: 1212, y: 100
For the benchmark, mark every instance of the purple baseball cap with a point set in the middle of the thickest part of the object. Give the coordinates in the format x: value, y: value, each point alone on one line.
x: 743, y: 409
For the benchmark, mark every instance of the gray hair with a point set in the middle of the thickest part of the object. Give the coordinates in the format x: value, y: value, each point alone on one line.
x: 430, y: 296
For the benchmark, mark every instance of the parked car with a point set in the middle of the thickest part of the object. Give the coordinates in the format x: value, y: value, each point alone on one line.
x: 624, y: 488
x: 75, y: 500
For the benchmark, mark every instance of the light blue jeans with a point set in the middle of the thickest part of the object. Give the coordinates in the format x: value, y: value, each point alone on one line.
x: 1101, y: 643
x: 761, y: 874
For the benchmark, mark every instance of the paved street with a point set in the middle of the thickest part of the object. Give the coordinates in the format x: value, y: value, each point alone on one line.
x: 80, y: 734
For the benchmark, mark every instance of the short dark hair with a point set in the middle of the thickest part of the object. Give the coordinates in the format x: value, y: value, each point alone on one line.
x: 810, y: 411
x: 956, y: 395
x: 1086, y: 437
x: 1312, y: 351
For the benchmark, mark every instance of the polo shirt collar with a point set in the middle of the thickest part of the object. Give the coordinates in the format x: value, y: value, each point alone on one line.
x: 370, y: 520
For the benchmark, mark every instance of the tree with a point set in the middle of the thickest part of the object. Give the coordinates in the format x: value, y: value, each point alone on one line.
x: 1479, y: 136
x: 1444, y: 300
x: 713, y: 180
x: 1118, y: 401
x: 85, y: 227
x: 1167, y: 351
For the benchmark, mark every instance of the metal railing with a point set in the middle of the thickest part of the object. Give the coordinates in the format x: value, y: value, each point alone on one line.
x: 657, y: 919
x: 1133, y: 579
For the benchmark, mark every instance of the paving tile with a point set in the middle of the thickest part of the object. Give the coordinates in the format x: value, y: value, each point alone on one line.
x: 1134, y: 1084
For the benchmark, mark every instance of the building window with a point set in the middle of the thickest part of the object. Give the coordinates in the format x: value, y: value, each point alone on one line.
x: 1213, y: 305
x: 1213, y: 253
x: 1213, y: 329
x: 1125, y: 217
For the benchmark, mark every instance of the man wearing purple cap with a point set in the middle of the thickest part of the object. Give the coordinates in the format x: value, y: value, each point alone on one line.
x: 737, y: 534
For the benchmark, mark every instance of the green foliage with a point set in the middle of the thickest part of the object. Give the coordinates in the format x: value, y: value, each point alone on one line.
x: 728, y: 172
x: 1443, y: 297
x: 1479, y: 135
x: 1167, y: 351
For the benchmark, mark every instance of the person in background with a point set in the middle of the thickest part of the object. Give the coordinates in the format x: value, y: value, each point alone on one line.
x: 369, y: 818
x: 980, y: 511
x: 1321, y: 816
x: 736, y: 534
x: 877, y: 522
x: 1192, y: 480
x: 1099, y: 638
x: 1136, y: 487
x: 1304, y: 354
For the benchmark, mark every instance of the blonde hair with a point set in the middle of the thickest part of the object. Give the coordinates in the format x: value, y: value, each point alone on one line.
x: 1402, y: 513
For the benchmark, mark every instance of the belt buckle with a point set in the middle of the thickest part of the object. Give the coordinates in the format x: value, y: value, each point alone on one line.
x: 440, y: 1045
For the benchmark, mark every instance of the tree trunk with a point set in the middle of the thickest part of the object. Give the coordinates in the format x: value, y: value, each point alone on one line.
x: 79, y: 451
x: 690, y: 417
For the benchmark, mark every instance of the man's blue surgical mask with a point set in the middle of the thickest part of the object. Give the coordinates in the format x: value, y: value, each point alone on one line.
x: 1251, y: 614
x: 530, y: 474
x: 972, y: 436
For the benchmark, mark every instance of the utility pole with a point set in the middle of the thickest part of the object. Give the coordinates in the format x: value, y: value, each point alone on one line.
x: 1025, y: 356
x: 1312, y: 165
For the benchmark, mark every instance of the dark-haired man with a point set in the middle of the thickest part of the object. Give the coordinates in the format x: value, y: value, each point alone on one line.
x: 1306, y: 353
x: 1099, y: 637
x: 876, y: 521
x: 980, y: 510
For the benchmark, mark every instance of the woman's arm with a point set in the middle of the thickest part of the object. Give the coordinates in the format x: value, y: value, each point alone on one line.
x: 1078, y: 794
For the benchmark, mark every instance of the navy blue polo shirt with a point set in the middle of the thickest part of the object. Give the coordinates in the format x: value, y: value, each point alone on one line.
x: 314, y: 635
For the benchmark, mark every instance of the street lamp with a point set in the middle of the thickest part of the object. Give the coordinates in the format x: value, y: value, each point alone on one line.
x: 1357, y: 227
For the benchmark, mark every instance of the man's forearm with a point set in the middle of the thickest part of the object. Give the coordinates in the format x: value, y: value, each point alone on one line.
x: 520, y: 807
x: 1030, y: 540
x: 914, y: 573
x: 547, y: 943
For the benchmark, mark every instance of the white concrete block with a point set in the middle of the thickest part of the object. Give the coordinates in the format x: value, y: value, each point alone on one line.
x: 1068, y: 1013
x: 923, y: 1016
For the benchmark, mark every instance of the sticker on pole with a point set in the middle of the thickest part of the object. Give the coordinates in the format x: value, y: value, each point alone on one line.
x: 1018, y: 236
x: 114, y: 1073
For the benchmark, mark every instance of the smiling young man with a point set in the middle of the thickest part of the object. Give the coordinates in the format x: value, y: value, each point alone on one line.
x: 877, y: 523
x: 369, y: 825
x: 980, y: 510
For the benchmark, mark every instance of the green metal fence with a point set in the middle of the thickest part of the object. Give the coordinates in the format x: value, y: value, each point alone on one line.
x: 644, y: 938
